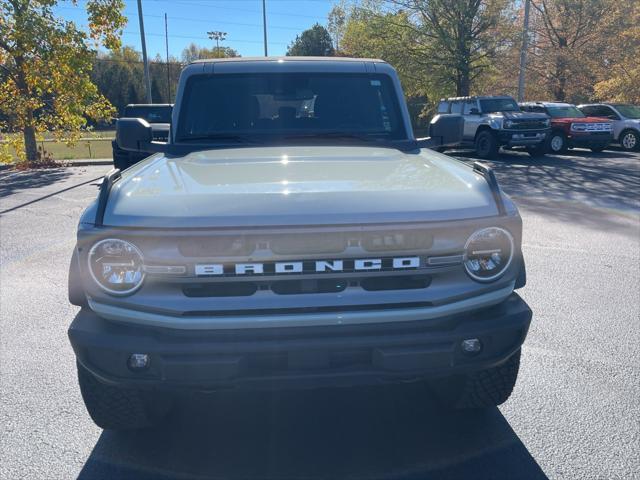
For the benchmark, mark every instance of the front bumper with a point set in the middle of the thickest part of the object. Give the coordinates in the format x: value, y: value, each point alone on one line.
x: 515, y: 138
x: 299, y: 357
x: 590, y: 139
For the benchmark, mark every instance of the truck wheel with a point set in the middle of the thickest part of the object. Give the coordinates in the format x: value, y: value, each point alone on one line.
x: 630, y: 140
x: 483, y: 389
x: 557, y: 143
x: 115, y: 408
x: 486, y: 145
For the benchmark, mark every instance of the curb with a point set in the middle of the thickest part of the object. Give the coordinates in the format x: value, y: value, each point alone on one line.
x: 70, y: 163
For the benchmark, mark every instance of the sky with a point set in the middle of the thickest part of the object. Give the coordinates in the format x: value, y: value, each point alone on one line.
x: 190, y: 20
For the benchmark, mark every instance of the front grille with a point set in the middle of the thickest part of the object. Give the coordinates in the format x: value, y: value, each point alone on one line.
x: 528, y: 125
x: 306, y: 243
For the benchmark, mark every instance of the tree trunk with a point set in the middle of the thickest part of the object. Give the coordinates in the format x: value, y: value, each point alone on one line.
x: 30, y: 145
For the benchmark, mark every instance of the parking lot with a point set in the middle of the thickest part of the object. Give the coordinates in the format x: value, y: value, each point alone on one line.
x: 574, y: 412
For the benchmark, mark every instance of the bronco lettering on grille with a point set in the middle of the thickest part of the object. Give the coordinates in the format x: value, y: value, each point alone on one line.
x: 308, y: 266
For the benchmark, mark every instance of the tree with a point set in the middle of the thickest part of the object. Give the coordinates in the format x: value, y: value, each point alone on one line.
x: 195, y: 52
x: 572, y: 40
x: 336, y: 23
x: 47, y: 63
x: 457, y: 40
x: 621, y: 81
x: 313, y: 42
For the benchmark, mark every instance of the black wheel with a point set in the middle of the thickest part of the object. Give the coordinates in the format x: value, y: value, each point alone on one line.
x: 557, y: 143
x: 115, y: 408
x: 483, y: 389
x: 537, y: 151
x: 630, y: 140
x: 486, y: 145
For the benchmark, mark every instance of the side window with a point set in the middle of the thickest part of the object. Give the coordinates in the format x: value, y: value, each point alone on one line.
x: 589, y: 110
x: 538, y: 109
x: 456, y: 107
x: 604, y: 111
x: 443, y: 107
x: 468, y: 105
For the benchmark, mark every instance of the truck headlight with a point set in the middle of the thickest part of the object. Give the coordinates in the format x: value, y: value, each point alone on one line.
x: 116, y: 266
x: 488, y: 253
x: 547, y: 122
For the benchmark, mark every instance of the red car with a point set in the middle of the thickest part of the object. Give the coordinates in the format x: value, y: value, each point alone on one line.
x: 571, y: 128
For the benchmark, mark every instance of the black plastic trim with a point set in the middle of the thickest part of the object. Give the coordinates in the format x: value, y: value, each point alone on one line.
x: 103, y: 197
x: 490, y: 177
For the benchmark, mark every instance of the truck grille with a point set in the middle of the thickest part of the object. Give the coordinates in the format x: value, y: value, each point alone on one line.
x: 528, y: 125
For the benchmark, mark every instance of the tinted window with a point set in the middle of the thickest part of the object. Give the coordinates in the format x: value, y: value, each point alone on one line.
x: 492, y: 105
x: 629, y: 111
x: 273, y: 104
x: 565, y: 112
x: 589, y: 110
x: 456, y: 107
x: 443, y: 107
x: 150, y: 114
x: 468, y: 105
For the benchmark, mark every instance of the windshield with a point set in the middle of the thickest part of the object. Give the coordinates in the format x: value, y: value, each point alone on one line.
x: 150, y: 114
x: 263, y: 106
x: 499, y: 105
x: 629, y: 111
x: 565, y: 112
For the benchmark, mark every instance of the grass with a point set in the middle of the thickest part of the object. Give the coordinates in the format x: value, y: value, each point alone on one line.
x: 92, y: 145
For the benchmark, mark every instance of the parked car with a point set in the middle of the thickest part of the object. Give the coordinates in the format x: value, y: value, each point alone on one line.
x: 494, y: 121
x: 158, y: 115
x: 625, y: 119
x: 294, y: 250
x: 571, y: 128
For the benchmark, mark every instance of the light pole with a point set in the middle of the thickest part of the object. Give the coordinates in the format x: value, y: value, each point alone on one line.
x: 264, y: 26
x: 523, y: 51
x: 218, y: 37
x: 147, y: 77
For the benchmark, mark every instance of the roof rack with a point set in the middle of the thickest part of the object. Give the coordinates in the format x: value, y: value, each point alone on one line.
x: 487, y: 172
x: 103, y: 197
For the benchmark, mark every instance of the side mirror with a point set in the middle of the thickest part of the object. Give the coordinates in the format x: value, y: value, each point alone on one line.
x: 133, y: 134
x: 474, y: 111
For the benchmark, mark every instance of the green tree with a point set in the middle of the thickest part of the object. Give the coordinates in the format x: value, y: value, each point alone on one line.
x: 196, y: 52
x: 47, y: 63
x: 313, y: 42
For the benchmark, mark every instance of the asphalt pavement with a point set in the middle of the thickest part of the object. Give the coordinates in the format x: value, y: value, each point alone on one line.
x: 574, y: 412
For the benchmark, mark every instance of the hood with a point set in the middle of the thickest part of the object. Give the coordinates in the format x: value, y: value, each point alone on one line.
x: 517, y: 115
x: 319, y: 185
x: 581, y: 120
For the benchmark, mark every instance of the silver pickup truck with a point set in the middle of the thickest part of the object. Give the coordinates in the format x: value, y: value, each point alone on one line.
x: 292, y: 233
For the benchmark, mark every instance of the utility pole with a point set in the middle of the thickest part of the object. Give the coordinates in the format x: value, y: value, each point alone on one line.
x: 523, y: 51
x: 218, y: 37
x: 264, y: 26
x: 145, y: 60
x: 166, y: 44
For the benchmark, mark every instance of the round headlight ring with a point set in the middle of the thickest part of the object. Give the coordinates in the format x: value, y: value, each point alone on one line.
x: 126, y: 266
x: 489, y: 255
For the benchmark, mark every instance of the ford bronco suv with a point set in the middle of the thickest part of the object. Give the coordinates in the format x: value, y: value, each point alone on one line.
x: 571, y: 128
x: 625, y: 119
x: 292, y: 233
x: 494, y: 121
x: 158, y: 115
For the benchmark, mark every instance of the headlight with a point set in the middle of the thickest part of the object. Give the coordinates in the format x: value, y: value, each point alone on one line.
x: 578, y: 127
x: 488, y: 253
x: 496, y: 123
x: 116, y: 266
x: 547, y: 123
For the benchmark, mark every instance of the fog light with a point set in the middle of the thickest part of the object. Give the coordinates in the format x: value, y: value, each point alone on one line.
x: 471, y: 345
x: 138, y: 361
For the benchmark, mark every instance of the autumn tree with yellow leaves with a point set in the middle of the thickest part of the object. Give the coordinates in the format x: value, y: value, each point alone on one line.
x: 45, y: 66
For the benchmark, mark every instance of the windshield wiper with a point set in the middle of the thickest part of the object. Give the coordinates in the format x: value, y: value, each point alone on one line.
x: 219, y: 136
x: 367, y: 137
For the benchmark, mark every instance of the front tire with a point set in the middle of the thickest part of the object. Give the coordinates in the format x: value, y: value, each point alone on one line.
x: 557, y: 143
x: 115, y: 408
x: 486, y: 145
x: 483, y: 389
x: 630, y: 140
